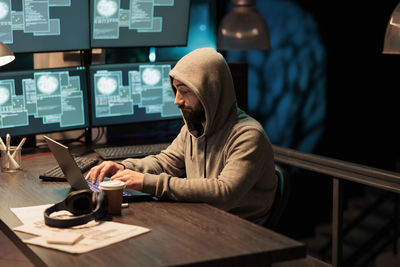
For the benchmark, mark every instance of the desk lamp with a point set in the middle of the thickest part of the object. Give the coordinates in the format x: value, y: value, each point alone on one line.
x: 6, y: 55
x: 243, y: 28
x: 392, y: 37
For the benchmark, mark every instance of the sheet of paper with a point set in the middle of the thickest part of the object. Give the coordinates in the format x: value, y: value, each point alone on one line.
x: 30, y: 214
x: 40, y: 228
x: 95, y: 234
x: 101, y: 235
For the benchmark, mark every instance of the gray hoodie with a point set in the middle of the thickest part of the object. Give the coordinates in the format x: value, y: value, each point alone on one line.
x: 230, y: 165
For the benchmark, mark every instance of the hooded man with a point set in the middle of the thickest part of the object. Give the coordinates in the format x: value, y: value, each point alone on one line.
x: 223, y: 153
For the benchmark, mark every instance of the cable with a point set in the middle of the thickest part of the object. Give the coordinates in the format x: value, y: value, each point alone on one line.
x: 100, y: 134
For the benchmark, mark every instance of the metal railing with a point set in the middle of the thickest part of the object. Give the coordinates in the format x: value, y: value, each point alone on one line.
x: 339, y: 170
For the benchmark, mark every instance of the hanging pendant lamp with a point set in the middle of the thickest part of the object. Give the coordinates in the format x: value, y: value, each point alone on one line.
x: 243, y: 28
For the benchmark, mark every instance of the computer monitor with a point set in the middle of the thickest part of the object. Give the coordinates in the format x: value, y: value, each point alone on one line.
x: 139, y: 23
x: 201, y: 33
x: 42, y: 101
x: 44, y: 26
x: 131, y: 93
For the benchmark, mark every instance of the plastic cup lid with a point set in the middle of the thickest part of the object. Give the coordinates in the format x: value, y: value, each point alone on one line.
x: 112, y: 185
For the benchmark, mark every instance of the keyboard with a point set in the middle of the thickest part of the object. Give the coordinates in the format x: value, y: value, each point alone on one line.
x: 56, y: 174
x: 95, y: 187
x: 131, y: 151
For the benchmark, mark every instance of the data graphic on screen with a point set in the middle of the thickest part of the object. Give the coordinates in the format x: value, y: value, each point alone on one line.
x: 41, y: 101
x: 45, y: 25
x: 128, y: 93
x: 138, y: 23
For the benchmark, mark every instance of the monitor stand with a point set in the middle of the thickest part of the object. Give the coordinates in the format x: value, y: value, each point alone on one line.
x: 29, y: 146
x: 144, y: 132
x: 30, y: 141
x: 88, y: 137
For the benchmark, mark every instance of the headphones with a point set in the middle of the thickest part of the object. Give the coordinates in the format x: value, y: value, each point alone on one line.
x: 84, y: 204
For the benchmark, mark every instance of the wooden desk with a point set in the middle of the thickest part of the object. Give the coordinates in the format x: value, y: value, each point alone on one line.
x: 186, y: 234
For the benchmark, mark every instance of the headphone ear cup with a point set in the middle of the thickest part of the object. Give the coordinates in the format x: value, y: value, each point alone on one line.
x: 80, y: 202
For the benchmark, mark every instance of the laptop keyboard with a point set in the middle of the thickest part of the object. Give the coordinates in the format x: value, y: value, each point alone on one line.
x: 56, y: 174
x: 131, y: 151
x: 95, y: 187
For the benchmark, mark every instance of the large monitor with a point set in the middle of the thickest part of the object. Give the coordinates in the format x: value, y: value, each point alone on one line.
x: 42, y: 101
x: 202, y: 31
x: 132, y: 92
x: 44, y: 26
x: 139, y: 23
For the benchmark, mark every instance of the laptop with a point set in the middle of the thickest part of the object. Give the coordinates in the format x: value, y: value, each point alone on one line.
x: 75, y: 177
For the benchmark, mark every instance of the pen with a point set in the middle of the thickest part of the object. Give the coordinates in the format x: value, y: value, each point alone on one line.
x: 2, y: 145
x: 18, y: 147
x: 8, y: 140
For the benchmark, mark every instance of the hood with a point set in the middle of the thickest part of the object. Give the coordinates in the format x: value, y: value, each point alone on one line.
x: 206, y: 72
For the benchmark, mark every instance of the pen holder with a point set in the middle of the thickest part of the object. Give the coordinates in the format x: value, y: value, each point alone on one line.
x: 11, y: 159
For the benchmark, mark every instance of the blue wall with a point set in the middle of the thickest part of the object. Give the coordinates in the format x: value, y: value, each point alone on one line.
x: 287, y: 83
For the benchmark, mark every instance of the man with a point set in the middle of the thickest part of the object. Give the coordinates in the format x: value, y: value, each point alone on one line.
x: 224, y: 154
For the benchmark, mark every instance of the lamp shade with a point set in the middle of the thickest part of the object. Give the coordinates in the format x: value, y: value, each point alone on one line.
x: 243, y: 28
x: 6, y: 55
x: 391, y: 44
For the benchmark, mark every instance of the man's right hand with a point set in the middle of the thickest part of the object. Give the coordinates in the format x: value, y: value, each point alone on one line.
x: 106, y: 168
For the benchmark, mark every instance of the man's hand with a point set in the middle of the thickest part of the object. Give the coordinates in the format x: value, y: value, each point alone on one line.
x: 106, y: 168
x: 132, y: 179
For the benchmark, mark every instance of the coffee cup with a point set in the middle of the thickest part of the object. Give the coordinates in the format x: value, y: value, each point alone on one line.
x: 113, y: 190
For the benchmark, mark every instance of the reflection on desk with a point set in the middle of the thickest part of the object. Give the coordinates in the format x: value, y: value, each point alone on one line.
x: 193, y: 234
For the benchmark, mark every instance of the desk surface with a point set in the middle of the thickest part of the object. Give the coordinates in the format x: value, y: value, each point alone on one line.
x: 192, y: 234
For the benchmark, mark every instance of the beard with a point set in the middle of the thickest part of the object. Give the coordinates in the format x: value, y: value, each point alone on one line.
x: 193, y: 116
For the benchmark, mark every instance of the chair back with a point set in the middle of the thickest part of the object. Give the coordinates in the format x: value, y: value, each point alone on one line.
x: 281, y: 198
